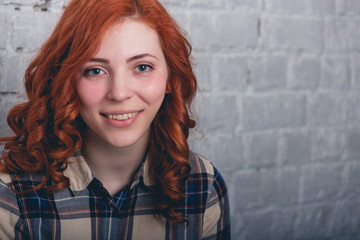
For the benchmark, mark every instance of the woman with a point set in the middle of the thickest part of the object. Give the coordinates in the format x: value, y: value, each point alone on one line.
x: 101, y: 149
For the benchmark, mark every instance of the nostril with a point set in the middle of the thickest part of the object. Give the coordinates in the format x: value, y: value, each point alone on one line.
x: 119, y: 92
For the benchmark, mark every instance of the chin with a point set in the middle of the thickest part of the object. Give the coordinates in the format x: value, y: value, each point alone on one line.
x: 122, y: 143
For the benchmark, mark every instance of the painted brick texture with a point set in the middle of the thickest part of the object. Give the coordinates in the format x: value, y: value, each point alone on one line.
x: 278, y: 110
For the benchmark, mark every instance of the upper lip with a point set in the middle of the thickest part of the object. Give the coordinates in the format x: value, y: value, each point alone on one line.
x: 120, y: 112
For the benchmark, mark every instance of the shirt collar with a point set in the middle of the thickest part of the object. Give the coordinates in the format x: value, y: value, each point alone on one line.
x: 80, y: 174
x: 143, y: 172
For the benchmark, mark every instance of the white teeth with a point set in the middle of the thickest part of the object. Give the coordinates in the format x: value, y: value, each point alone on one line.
x: 122, y: 116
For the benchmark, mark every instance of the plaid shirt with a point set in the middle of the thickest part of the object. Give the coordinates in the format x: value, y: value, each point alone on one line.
x: 85, y: 210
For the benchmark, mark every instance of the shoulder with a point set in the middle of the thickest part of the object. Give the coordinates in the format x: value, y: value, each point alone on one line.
x: 200, y: 165
x: 204, y: 175
x: 5, y: 182
x: 206, y: 179
x: 7, y: 196
x: 9, y: 210
x: 5, y: 178
x: 202, y: 168
x: 10, y: 182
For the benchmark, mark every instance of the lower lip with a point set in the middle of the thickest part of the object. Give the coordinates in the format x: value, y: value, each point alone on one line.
x: 122, y: 123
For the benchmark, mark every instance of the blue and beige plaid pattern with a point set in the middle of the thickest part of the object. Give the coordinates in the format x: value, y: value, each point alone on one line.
x: 85, y: 210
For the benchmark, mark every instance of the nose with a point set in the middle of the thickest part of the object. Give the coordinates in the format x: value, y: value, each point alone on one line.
x: 120, y: 88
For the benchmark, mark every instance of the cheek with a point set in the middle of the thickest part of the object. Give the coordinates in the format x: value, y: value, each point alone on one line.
x: 155, y: 89
x: 89, y: 93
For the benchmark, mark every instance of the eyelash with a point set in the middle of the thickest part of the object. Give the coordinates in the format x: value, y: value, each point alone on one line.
x: 88, y: 72
x: 148, y: 67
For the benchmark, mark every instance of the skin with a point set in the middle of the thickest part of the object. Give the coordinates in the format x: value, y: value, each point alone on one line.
x: 127, y: 75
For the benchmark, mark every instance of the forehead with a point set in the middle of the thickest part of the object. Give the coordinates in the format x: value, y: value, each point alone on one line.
x: 128, y: 37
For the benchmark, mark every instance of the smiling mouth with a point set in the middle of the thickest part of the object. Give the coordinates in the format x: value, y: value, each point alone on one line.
x: 121, y: 117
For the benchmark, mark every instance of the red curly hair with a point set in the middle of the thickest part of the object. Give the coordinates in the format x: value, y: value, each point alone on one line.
x: 48, y: 127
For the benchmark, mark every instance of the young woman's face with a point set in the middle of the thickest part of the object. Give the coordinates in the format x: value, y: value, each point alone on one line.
x: 122, y: 87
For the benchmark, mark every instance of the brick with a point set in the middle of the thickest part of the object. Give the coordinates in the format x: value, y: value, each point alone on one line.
x: 335, y: 74
x: 215, y: 117
x: 321, y: 7
x: 349, y: 237
x: 294, y: 6
x: 283, y: 222
x: 261, y: 150
x: 15, y: 78
x: 169, y: 3
x: 327, y: 109
x: 203, y: 145
x: 352, y: 188
x: 293, y: 33
x: 340, y: 27
x: 353, y: 144
x: 229, y: 155
x: 3, y: 115
x: 203, y: 71
x: 346, y: 219
x: 202, y: 30
x: 255, y: 4
x: 274, y: 112
x: 208, y: 146
x: 322, y: 183
x: 235, y: 31
x: 355, y: 63
x: 230, y: 73
x: 36, y: 25
x: 2, y: 73
x: 288, y: 187
x: 296, y: 148
x: 6, y: 103
x: 269, y: 187
x: 23, y: 2
x: 280, y: 187
x: 353, y: 107
x: 237, y: 225
x: 3, y: 29
x: 56, y: 5
x: 269, y: 73
x: 182, y: 19
x: 305, y: 73
x: 258, y: 225
x: 206, y: 3
x: 263, y: 188
x: 349, y: 6
x: 312, y: 222
x: 247, y: 190
x: 329, y: 145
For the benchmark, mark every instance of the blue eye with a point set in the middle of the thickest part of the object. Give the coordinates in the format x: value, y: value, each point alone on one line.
x: 94, y: 72
x: 143, y: 68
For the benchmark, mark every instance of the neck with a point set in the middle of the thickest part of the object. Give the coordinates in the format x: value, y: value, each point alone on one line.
x: 113, y: 166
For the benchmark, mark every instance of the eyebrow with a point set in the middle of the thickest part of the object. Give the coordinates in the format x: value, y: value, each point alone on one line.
x: 100, y: 60
x: 141, y: 56
x: 103, y: 60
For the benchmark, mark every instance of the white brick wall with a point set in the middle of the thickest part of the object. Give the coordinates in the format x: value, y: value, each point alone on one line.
x: 278, y: 110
